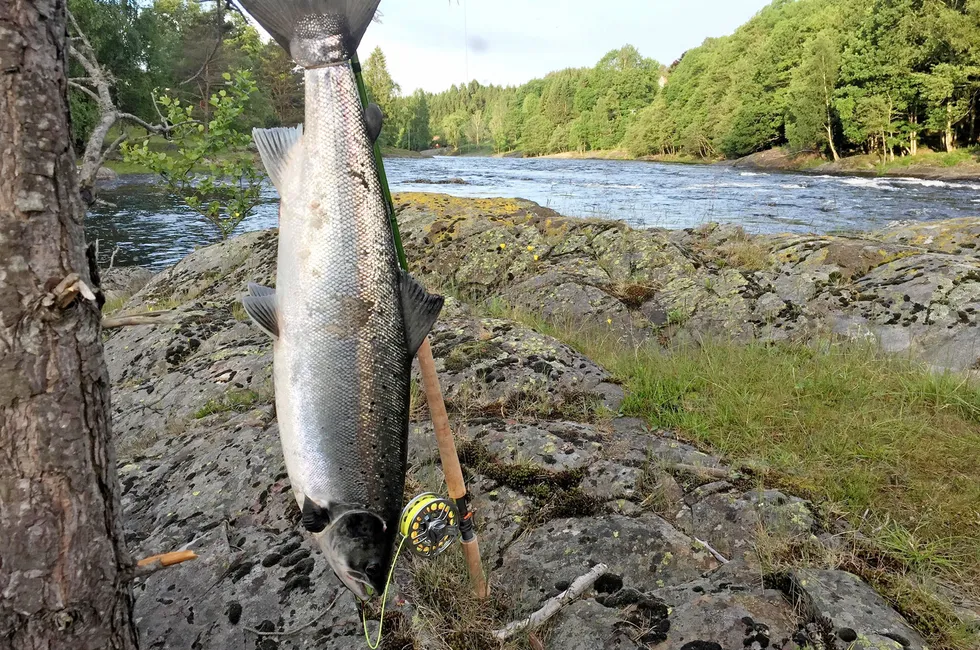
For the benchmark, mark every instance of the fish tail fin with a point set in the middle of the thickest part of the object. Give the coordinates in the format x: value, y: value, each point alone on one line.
x: 287, y: 19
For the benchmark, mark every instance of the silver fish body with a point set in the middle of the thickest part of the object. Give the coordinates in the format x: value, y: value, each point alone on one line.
x: 346, y: 322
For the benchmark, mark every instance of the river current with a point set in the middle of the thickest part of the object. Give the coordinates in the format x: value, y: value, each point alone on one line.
x: 152, y: 228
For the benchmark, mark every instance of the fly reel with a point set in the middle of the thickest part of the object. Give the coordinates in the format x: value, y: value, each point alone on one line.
x: 430, y: 524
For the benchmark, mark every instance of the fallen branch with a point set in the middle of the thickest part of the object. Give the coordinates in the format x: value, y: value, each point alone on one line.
x: 150, y: 565
x: 538, y: 618
x: 718, y: 556
x: 301, y: 627
x: 710, y: 472
x: 146, y: 318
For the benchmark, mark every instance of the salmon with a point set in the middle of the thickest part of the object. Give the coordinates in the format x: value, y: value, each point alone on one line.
x: 345, y: 319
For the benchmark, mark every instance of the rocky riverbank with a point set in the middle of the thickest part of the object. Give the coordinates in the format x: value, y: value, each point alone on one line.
x: 926, y: 165
x: 914, y: 288
x: 559, y: 481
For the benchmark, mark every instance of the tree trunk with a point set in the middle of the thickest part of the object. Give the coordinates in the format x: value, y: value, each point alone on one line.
x: 830, y: 139
x: 93, y: 157
x: 948, y: 137
x: 62, y: 552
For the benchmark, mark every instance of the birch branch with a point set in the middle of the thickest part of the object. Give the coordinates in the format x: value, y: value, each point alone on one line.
x: 538, y: 618
x: 85, y: 89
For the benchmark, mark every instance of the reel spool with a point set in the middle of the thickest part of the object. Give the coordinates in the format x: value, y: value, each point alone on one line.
x: 430, y: 524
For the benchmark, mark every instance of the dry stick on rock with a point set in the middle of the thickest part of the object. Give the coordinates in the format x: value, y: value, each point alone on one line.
x: 718, y: 556
x: 538, y: 618
x: 150, y: 565
x: 146, y: 318
x: 711, y: 472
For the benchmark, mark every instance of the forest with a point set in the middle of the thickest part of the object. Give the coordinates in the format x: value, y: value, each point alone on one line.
x: 835, y: 77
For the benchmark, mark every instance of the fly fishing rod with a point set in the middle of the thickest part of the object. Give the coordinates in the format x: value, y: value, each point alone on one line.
x: 427, y: 522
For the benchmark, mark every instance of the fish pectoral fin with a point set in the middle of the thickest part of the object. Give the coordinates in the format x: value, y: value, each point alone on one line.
x: 260, y: 290
x: 421, y: 310
x: 278, y: 148
x: 374, y: 120
x: 315, y: 517
x: 263, y: 312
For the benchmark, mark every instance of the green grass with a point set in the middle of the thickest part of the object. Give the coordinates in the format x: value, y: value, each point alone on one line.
x: 239, y: 401
x: 838, y: 422
x: 934, y: 159
x: 879, y: 440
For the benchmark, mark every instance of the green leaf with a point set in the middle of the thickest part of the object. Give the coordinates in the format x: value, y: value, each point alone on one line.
x: 226, y: 76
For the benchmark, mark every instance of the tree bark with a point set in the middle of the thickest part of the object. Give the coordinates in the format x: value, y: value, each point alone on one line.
x: 62, y: 552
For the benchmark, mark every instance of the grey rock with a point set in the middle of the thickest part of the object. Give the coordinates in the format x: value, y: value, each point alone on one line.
x: 106, y: 174
x: 646, y: 551
x: 730, y: 523
x: 587, y: 625
x: 609, y: 480
x: 852, y: 611
x: 123, y: 281
x: 734, y: 619
x: 554, y: 446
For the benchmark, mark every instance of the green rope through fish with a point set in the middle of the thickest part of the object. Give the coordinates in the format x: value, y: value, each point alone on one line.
x: 393, y: 220
x: 384, y: 600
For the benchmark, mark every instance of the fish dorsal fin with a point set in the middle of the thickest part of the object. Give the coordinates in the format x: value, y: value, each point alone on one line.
x: 374, y: 120
x: 421, y: 310
x: 263, y: 312
x: 278, y: 148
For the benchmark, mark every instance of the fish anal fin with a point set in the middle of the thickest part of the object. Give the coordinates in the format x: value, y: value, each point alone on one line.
x: 279, y: 148
x: 263, y: 312
x: 421, y: 310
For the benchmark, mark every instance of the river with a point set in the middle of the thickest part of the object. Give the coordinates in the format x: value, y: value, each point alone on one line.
x: 154, y: 229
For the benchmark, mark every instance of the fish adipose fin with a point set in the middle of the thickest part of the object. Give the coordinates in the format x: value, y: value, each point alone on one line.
x: 374, y: 120
x: 421, y: 310
x: 262, y: 310
x: 278, y: 147
x: 287, y: 20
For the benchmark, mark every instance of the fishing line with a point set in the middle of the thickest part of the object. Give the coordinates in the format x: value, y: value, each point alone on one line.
x: 384, y: 600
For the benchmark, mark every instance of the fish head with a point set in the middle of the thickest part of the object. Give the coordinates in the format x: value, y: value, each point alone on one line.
x: 358, y: 546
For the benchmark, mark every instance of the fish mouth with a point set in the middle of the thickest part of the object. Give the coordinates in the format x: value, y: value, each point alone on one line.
x: 358, y: 584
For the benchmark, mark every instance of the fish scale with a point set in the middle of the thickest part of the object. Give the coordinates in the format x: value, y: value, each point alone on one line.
x: 345, y: 318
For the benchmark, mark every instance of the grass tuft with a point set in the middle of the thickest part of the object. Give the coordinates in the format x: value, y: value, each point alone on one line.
x: 238, y: 401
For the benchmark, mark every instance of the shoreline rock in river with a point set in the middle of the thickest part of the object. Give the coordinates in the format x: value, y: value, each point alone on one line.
x: 559, y: 483
x: 913, y: 289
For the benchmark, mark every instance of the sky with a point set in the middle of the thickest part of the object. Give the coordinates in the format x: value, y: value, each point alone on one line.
x: 432, y: 44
